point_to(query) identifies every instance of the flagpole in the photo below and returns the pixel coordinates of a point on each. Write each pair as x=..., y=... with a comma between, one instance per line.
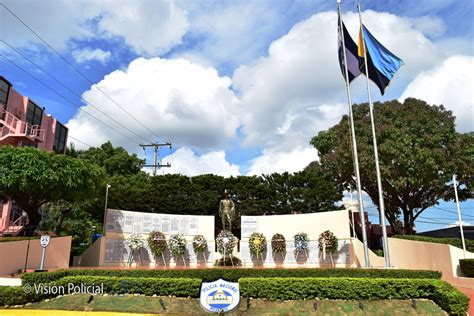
x=459, y=215
x=354, y=143
x=386, y=251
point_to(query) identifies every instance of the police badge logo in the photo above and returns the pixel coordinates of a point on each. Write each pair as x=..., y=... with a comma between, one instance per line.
x=219, y=296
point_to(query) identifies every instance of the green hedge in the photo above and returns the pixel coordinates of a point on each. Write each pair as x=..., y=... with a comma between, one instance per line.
x=443, y=294
x=149, y=286
x=467, y=267
x=450, y=241
x=8, y=239
x=233, y=274
x=15, y=295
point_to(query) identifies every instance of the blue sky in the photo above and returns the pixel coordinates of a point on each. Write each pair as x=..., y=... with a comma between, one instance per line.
x=239, y=87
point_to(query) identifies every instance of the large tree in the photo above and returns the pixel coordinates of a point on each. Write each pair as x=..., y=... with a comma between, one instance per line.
x=115, y=160
x=33, y=177
x=419, y=151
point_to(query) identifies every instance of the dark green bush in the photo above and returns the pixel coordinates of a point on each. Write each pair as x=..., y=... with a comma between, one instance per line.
x=184, y=287
x=232, y=274
x=450, y=241
x=467, y=267
x=443, y=294
x=8, y=239
x=15, y=295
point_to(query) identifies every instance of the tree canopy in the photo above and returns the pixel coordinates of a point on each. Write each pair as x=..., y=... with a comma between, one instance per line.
x=115, y=160
x=33, y=177
x=419, y=151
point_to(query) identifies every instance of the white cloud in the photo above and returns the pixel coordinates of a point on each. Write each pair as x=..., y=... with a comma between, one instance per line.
x=301, y=72
x=185, y=161
x=450, y=84
x=176, y=99
x=148, y=27
x=280, y=161
x=297, y=90
x=87, y=54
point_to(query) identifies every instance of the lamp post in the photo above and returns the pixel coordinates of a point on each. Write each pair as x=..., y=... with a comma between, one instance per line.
x=24, y=216
x=107, y=187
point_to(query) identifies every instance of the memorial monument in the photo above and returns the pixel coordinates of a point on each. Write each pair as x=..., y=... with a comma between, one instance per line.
x=227, y=211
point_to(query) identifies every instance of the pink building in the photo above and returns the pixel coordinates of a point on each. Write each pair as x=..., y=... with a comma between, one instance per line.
x=24, y=123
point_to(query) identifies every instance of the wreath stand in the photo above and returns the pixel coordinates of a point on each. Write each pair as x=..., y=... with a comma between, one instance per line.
x=163, y=257
x=131, y=257
x=232, y=261
x=281, y=254
x=305, y=254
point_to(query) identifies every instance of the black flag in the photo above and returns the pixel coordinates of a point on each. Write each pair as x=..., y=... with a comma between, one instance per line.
x=351, y=53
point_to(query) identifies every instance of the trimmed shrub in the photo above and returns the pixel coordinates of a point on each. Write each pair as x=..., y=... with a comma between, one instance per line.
x=443, y=294
x=450, y=241
x=467, y=267
x=233, y=275
x=15, y=295
x=183, y=287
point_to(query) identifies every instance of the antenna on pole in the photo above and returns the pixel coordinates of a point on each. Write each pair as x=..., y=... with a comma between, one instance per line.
x=155, y=164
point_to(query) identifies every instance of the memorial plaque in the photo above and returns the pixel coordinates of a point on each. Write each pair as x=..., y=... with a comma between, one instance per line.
x=193, y=226
x=249, y=225
x=114, y=221
x=165, y=223
x=128, y=223
x=184, y=225
x=147, y=223
x=290, y=252
x=138, y=223
x=174, y=224
x=109, y=250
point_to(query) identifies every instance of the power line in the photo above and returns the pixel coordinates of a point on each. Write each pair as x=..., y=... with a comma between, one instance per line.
x=80, y=141
x=69, y=89
x=67, y=100
x=453, y=212
x=77, y=70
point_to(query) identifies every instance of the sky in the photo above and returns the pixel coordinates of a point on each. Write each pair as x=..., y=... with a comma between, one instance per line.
x=238, y=87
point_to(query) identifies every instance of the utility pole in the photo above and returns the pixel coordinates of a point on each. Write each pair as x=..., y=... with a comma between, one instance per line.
x=155, y=164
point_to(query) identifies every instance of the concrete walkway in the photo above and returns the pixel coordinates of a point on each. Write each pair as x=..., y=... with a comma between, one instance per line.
x=10, y=281
x=470, y=293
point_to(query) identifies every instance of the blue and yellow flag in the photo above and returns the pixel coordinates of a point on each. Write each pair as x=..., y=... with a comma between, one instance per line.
x=381, y=63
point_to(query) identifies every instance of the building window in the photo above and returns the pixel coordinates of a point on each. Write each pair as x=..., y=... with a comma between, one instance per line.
x=60, y=137
x=34, y=114
x=28, y=143
x=4, y=90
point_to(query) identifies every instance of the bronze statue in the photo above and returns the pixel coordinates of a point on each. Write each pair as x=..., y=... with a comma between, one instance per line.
x=227, y=211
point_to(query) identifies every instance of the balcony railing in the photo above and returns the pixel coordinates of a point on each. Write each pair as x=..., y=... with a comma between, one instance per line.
x=14, y=127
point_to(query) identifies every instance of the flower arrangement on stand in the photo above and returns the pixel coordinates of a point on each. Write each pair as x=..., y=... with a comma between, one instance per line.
x=135, y=243
x=257, y=244
x=279, y=244
x=301, y=243
x=177, y=245
x=157, y=243
x=199, y=245
x=327, y=243
x=225, y=246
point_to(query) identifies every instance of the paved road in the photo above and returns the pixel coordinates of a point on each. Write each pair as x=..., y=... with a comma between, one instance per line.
x=10, y=281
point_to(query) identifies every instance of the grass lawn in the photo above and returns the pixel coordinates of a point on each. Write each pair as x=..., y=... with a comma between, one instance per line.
x=190, y=306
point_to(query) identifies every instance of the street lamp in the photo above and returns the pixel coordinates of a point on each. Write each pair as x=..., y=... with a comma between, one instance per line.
x=107, y=187
x=24, y=216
